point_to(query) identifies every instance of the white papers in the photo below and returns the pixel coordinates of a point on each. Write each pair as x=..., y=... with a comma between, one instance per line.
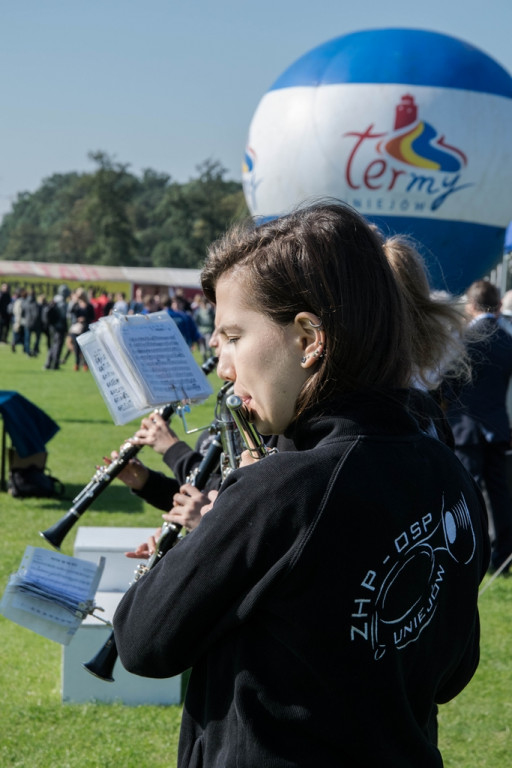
x=141, y=362
x=51, y=593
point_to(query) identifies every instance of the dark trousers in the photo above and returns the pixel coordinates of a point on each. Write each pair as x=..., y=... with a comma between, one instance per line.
x=487, y=463
x=53, y=358
x=79, y=359
x=4, y=327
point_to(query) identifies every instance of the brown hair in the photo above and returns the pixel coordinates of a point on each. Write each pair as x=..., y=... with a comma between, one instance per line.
x=439, y=321
x=323, y=259
x=484, y=296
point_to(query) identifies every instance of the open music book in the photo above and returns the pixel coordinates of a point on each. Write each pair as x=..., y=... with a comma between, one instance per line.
x=141, y=362
x=51, y=593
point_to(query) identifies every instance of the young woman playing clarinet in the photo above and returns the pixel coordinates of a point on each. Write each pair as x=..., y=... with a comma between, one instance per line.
x=327, y=603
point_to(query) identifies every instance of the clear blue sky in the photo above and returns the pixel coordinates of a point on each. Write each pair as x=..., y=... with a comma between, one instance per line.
x=165, y=84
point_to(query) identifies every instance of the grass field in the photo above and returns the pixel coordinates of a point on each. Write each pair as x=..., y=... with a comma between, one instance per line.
x=38, y=731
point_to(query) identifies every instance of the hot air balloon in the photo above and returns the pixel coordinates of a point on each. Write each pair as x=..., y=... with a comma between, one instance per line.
x=410, y=127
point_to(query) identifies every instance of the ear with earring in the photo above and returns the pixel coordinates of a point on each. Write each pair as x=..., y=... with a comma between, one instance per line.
x=315, y=347
x=317, y=355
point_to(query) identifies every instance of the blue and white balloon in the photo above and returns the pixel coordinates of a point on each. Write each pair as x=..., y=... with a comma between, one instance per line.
x=411, y=128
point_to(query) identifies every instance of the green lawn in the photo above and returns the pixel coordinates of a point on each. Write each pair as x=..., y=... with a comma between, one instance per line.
x=38, y=731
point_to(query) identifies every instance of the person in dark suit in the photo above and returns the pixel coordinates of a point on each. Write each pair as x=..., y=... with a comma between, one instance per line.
x=476, y=411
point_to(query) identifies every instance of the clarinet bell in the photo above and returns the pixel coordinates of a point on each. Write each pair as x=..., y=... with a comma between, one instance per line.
x=102, y=665
x=56, y=533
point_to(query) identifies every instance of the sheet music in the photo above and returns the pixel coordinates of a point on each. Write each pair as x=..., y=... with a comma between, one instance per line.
x=157, y=349
x=51, y=593
x=141, y=362
x=62, y=574
x=116, y=391
x=109, y=333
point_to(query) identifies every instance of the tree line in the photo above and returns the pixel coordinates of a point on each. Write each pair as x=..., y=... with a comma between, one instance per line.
x=112, y=217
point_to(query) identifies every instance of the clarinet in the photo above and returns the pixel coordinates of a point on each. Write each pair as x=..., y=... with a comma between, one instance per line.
x=171, y=531
x=102, y=664
x=103, y=477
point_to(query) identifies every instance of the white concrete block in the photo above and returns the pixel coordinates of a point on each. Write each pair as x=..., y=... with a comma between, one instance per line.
x=79, y=685
x=93, y=542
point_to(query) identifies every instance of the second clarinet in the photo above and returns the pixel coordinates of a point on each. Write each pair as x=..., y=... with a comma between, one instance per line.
x=102, y=664
x=103, y=477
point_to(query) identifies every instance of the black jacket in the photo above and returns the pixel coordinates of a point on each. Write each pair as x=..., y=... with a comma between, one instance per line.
x=327, y=602
x=477, y=410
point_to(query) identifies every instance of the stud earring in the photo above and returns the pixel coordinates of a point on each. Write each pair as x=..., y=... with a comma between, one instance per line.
x=318, y=353
x=303, y=359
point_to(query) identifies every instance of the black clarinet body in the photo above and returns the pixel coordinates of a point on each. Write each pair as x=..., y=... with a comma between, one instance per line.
x=199, y=478
x=102, y=664
x=103, y=477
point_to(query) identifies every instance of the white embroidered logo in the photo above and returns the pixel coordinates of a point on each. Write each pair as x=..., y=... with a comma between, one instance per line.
x=399, y=599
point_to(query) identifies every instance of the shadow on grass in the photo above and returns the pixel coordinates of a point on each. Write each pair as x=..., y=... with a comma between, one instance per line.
x=113, y=499
x=86, y=421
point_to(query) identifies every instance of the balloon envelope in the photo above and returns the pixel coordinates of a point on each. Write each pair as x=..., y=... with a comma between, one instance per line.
x=508, y=238
x=411, y=128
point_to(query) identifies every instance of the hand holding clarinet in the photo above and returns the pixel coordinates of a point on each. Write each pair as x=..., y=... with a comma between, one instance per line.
x=189, y=505
x=153, y=431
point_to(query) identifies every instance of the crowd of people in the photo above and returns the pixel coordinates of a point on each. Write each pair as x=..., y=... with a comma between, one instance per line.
x=31, y=321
